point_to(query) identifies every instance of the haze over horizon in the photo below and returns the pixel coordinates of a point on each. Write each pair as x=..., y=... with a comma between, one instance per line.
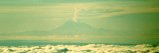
x=110, y=21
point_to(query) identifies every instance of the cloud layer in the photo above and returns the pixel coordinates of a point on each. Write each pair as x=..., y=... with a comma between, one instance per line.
x=90, y=48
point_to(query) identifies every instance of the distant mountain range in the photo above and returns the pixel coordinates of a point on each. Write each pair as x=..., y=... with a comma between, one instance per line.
x=68, y=28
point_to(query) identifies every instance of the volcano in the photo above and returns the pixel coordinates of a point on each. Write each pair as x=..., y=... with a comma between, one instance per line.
x=72, y=28
x=77, y=28
x=68, y=28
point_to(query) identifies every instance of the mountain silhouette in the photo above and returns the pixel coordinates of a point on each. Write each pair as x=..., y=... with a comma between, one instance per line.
x=68, y=28
x=72, y=28
x=78, y=28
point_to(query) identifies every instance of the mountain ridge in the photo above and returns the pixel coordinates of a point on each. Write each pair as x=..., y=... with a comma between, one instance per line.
x=68, y=28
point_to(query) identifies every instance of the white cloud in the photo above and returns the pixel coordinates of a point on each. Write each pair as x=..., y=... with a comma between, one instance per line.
x=91, y=48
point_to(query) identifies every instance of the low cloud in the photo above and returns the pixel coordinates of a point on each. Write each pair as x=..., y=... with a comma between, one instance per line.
x=91, y=48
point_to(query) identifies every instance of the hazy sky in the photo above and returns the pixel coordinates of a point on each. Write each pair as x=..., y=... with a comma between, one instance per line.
x=124, y=20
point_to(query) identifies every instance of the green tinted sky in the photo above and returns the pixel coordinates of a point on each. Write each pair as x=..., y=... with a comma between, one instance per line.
x=123, y=19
